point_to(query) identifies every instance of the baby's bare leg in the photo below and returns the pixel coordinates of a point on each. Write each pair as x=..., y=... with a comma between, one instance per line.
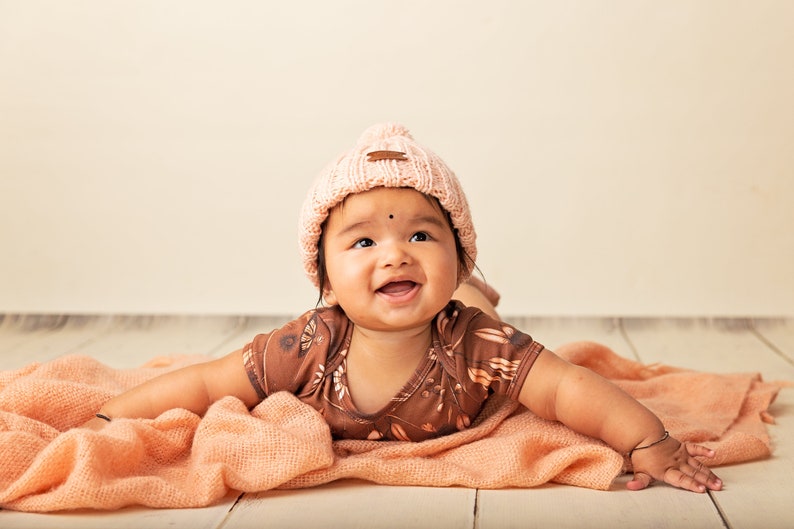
x=476, y=293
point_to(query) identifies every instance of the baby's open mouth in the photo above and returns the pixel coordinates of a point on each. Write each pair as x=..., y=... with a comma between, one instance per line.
x=396, y=288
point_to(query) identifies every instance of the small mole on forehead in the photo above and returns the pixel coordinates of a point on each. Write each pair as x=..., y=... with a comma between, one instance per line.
x=391, y=216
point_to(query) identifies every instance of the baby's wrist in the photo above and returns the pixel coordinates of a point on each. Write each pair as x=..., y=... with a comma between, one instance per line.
x=649, y=442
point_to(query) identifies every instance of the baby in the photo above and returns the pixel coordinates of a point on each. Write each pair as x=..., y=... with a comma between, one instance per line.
x=408, y=347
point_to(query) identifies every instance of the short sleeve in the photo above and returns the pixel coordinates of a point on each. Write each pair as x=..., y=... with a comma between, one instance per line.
x=294, y=357
x=491, y=356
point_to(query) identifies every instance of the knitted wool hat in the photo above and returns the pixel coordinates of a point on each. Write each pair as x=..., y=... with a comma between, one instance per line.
x=385, y=155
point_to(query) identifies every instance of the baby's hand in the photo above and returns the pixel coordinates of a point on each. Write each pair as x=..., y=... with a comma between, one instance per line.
x=673, y=462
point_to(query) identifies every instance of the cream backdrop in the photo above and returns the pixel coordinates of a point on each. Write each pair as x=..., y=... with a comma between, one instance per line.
x=628, y=157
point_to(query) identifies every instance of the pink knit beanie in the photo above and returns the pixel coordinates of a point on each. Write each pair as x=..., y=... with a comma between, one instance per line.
x=385, y=155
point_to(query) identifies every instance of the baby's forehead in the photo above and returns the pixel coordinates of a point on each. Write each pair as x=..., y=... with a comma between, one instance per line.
x=384, y=206
x=389, y=196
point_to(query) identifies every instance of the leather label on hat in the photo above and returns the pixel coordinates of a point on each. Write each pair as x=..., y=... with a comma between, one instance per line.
x=385, y=155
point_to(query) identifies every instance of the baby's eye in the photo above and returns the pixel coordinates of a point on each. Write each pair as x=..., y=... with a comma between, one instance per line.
x=364, y=243
x=420, y=236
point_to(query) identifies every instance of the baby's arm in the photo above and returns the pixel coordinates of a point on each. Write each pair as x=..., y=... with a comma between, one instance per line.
x=591, y=405
x=193, y=388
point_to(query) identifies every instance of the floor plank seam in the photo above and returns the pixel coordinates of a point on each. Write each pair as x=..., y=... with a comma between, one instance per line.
x=624, y=333
x=221, y=347
x=723, y=516
x=226, y=521
x=105, y=330
x=475, y=521
x=758, y=334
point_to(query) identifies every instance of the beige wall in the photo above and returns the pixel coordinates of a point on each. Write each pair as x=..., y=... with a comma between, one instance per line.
x=626, y=157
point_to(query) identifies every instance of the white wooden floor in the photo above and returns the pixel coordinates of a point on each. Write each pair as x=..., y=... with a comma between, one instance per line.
x=756, y=495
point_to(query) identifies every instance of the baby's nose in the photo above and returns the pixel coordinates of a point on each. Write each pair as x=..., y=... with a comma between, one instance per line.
x=396, y=254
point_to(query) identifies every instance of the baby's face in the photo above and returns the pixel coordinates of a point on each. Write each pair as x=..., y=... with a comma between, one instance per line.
x=390, y=258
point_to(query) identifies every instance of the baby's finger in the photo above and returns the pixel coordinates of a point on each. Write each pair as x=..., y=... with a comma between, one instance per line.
x=698, y=450
x=679, y=478
x=703, y=474
x=640, y=481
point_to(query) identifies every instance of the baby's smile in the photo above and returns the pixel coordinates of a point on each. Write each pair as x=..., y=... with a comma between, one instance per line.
x=397, y=288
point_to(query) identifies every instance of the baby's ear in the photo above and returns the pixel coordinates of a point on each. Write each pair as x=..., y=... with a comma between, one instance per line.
x=329, y=297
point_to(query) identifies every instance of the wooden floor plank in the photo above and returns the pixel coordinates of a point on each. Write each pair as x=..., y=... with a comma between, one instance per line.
x=715, y=345
x=119, y=341
x=133, y=340
x=353, y=504
x=245, y=332
x=129, y=518
x=29, y=338
x=760, y=494
x=764, y=477
x=564, y=507
x=553, y=332
x=757, y=494
x=778, y=333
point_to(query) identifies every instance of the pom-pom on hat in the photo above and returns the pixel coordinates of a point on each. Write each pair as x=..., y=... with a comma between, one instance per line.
x=385, y=155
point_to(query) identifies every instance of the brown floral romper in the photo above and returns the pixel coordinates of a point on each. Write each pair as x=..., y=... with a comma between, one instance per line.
x=471, y=356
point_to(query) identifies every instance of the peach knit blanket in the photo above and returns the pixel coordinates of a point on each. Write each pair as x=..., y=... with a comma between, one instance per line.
x=183, y=460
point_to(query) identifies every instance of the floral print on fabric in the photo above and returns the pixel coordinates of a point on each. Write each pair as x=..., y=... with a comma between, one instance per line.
x=471, y=357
